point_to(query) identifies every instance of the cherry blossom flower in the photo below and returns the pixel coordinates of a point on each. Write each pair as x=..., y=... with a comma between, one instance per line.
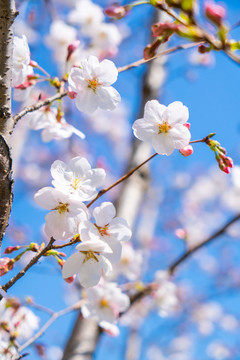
x=90, y=262
x=53, y=128
x=163, y=126
x=61, y=35
x=131, y=262
x=108, y=228
x=107, y=37
x=62, y=221
x=88, y=15
x=21, y=60
x=92, y=83
x=77, y=178
x=165, y=297
x=105, y=302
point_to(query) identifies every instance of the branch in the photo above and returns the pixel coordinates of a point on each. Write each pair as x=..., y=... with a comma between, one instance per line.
x=165, y=52
x=38, y=105
x=28, y=266
x=219, y=232
x=53, y=318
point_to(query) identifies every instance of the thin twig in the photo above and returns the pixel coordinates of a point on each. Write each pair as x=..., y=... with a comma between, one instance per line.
x=219, y=232
x=165, y=52
x=38, y=105
x=53, y=318
x=28, y=266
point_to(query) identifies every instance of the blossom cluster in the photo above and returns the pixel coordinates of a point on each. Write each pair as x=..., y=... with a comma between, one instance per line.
x=100, y=242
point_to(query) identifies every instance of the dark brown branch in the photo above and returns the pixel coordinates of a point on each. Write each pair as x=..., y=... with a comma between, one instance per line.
x=7, y=16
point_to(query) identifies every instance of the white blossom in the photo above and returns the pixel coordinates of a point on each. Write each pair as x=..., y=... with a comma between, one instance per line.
x=107, y=228
x=92, y=84
x=90, y=262
x=105, y=302
x=53, y=129
x=20, y=60
x=163, y=126
x=107, y=37
x=62, y=222
x=88, y=15
x=77, y=178
x=165, y=297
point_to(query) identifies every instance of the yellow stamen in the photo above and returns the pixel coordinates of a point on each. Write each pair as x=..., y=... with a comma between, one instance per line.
x=62, y=208
x=89, y=255
x=164, y=128
x=104, y=303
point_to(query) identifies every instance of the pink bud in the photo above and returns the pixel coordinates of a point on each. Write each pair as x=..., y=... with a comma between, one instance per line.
x=34, y=64
x=70, y=280
x=227, y=161
x=6, y=264
x=71, y=94
x=11, y=249
x=202, y=49
x=116, y=11
x=214, y=12
x=167, y=28
x=187, y=150
x=72, y=47
x=187, y=125
x=181, y=233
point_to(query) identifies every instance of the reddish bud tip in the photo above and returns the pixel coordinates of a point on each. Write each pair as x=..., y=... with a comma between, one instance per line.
x=71, y=94
x=186, y=151
x=187, y=125
x=202, y=49
x=11, y=249
x=160, y=29
x=72, y=47
x=214, y=12
x=70, y=280
x=34, y=64
x=116, y=11
x=6, y=264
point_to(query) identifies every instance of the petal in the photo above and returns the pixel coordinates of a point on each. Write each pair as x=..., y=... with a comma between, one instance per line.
x=116, y=247
x=90, y=273
x=176, y=113
x=153, y=112
x=123, y=302
x=107, y=72
x=144, y=130
x=49, y=197
x=87, y=101
x=89, y=66
x=79, y=166
x=106, y=265
x=72, y=265
x=119, y=228
x=58, y=170
x=163, y=144
x=60, y=226
x=104, y=213
x=76, y=80
x=96, y=177
x=108, y=97
x=180, y=135
x=95, y=245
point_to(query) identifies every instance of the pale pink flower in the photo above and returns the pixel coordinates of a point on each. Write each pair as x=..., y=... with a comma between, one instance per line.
x=90, y=262
x=20, y=61
x=92, y=83
x=77, y=178
x=163, y=126
x=62, y=222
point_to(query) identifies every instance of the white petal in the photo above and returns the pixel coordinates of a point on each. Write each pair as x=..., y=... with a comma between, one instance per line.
x=87, y=101
x=76, y=80
x=95, y=246
x=106, y=265
x=108, y=97
x=49, y=197
x=96, y=177
x=58, y=170
x=176, y=113
x=153, y=111
x=163, y=144
x=104, y=213
x=144, y=130
x=90, y=273
x=72, y=265
x=79, y=165
x=180, y=135
x=119, y=228
x=116, y=247
x=107, y=72
x=60, y=226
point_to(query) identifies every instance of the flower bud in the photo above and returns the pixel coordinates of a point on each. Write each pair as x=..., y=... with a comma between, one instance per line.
x=71, y=94
x=187, y=125
x=214, y=12
x=72, y=47
x=160, y=29
x=186, y=151
x=116, y=11
x=71, y=279
x=6, y=264
x=11, y=249
x=227, y=161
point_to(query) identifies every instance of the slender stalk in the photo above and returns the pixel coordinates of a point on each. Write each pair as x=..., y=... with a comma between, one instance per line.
x=52, y=319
